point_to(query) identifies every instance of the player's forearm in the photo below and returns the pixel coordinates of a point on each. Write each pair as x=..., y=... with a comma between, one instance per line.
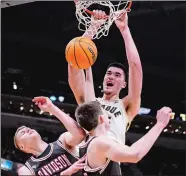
x=89, y=88
x=69, y=123
x=135, y=67
x=144, y=144
x=74, y=74
x=76, y=79
x=131, y=50
x=90, y=32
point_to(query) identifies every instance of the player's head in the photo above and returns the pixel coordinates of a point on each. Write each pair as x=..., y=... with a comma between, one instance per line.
x=90, y=115
x=25, y=138
x=114, y=79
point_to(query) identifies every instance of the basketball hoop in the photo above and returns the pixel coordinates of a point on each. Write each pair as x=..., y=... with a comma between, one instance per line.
x=83, y=14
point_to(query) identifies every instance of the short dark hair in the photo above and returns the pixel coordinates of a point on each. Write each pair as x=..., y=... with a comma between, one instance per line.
x=118, y=65
x=87, y=115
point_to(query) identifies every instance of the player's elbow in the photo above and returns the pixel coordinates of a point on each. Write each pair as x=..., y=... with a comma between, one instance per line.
x=136, y=156
x=135, y=63
x=133, y=157
x=136, y=69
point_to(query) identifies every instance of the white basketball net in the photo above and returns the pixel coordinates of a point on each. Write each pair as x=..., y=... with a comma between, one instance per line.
x=98, y=28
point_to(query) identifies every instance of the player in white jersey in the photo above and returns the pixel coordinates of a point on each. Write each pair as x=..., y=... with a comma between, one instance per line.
x=117, y=116
x=121, y=111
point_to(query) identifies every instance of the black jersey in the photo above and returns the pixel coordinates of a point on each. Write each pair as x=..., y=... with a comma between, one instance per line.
x=109, y=168
x=55, y=159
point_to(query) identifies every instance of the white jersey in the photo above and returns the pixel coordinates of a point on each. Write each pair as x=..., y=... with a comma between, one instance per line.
x=118, y=118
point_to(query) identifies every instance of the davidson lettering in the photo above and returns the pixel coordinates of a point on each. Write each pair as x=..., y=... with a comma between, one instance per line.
x=56, y=165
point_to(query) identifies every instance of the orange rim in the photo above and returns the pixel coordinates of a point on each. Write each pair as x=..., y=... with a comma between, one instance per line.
x=127, y=9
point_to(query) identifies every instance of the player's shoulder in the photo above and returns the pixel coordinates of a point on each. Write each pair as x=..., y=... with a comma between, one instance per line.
x=100, y=142
x=24, y=171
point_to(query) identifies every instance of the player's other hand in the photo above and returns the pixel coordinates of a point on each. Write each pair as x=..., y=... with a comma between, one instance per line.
x=44, y=103
x=122, y=22
x=163, y=116
x=98, y=18
x=78, y=165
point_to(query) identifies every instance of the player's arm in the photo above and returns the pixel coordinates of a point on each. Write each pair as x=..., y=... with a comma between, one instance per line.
x=76, y=80
x=89, y=86
x=76, y=132
x=24, y=171
x=78, y=165
x=122, y=153
x=133, y=100
x=83, y=87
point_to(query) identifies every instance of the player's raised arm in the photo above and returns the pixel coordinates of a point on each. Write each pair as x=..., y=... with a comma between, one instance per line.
x=133, y=100
x=122, y=153
x=76, y=133
x=76, y=80
x=89, y=86
x=83, y=88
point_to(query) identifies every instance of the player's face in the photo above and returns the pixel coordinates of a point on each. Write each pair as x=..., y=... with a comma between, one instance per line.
x=26, y=137
x=114, y=81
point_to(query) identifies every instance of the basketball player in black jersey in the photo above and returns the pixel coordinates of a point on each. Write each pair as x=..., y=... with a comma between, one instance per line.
x=59, y=157
x=51, y=159
x=103, y=153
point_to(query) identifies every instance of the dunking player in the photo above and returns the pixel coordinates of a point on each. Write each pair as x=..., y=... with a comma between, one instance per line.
x=57, y=158
x=121, y=111
x=103, y=153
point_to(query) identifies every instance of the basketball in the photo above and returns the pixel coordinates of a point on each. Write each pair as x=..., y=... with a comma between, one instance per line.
x=81, y=53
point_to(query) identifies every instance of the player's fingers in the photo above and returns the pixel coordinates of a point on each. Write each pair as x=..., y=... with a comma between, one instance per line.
x=40, y=99
x=40, y=105
x=100, y=14
x=103, y=14
x=37, y=99
x=81, y=165
x=97, y=14
x=94, y=13
x=82, y=159
x=166, y=110
x=121, y=14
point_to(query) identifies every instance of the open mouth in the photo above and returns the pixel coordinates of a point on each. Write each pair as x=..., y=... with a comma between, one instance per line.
x=109, y=84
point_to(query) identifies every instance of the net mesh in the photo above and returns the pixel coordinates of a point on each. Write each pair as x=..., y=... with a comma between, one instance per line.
x=94, y=27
